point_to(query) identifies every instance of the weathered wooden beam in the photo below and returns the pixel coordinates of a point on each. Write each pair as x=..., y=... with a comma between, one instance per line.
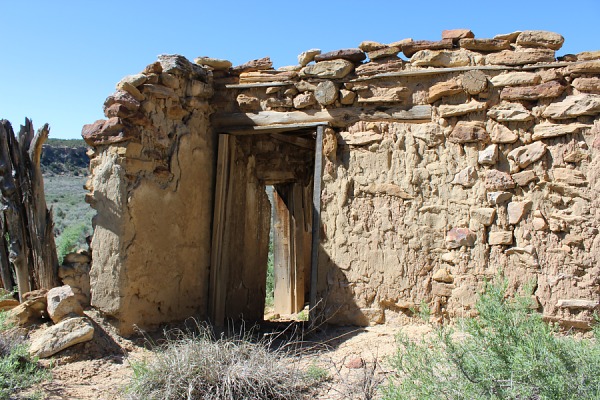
x=267, y=129
x=439, y=71
x=255, y=85
x=339, y=117
x=316, y=222
x=295, y=140
x=5, y=272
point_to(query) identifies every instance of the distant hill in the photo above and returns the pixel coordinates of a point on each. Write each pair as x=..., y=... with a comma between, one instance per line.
x=65, y=157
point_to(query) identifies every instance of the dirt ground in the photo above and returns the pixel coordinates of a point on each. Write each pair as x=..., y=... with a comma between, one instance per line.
x=355, y=360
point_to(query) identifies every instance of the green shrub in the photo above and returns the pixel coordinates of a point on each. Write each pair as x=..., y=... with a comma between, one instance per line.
x=508, y=352
x=17, y=370
x=198, y=366
x=70, y=239
x=270, y=295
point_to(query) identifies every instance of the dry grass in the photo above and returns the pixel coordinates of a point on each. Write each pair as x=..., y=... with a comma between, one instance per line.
x=200, y=366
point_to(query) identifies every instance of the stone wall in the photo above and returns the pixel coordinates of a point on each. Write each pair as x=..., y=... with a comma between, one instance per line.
x=473, y=156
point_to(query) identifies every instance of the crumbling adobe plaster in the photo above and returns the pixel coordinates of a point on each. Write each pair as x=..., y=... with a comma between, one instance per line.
x=476, y=155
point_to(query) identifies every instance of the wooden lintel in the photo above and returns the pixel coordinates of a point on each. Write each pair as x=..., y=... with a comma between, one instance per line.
x=438, y=71
x=295, y=140
x=337, y=117
x=277, y=128
x=258, y=84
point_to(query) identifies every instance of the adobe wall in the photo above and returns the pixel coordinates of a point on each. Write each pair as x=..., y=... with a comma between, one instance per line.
x=476, y=155
x=152, y=180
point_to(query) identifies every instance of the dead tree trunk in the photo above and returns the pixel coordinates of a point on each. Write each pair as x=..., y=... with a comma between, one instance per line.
x=29, y=229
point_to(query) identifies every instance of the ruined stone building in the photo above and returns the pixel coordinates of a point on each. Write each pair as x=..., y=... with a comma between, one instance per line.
x=396, y=182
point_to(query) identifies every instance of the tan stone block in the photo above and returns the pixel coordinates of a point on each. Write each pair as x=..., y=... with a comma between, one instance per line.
x=510, y=112
x=589, y=85
x=541, y=91
x=569, y=176
x=497, y=180
x=573, y=106
x=446, y=111
x=516, y=79
x=412, y=47
x=516, y=211
x=64, y=334
x=520, y=57
x=307, y=56
x=468, y=131
x=457, y=34
x=441, y=58
x=333, y=69
x=442, y=275
x=500, y=238
x=484, y=215
x=441, y=89
x=545, y=39
x=525, y=155
x=485, y=45
x=524, y=177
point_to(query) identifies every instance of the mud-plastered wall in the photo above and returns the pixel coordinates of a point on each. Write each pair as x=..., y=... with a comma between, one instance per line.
x=473, y=158
x=445, y=163
x=152, y=177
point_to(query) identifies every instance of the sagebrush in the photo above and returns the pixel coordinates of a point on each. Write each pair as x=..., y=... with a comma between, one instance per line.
x=507, y=352
x=199, y=366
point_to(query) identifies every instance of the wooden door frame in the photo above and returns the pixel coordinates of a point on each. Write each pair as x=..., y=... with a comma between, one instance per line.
x=219, y=271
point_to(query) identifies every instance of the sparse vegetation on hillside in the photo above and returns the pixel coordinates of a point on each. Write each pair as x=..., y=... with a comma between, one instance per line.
x=508, y=352
x=198, y=366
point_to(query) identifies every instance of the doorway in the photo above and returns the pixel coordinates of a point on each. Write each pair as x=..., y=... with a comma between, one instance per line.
x=290, y=161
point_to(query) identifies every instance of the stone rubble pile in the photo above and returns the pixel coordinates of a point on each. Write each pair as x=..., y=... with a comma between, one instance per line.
x=469, y=157
x=62, y=305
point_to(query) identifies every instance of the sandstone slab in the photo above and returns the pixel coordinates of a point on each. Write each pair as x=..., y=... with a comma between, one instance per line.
x=511, y=37
x=347, y=97
x=466, y=177
x=307, y=56
x=524, y=177
x=383, y=53
x=547, y=130
x=516, y=79
x=353, y=55
x=135, y=79
x=520, y=57
x=484, y=215
x=498, y=198
x=369, y=45
x=360, y=138
x=517, y=210
x=500, y=134
x=215, y=63
x=442, y=89
x=254, y=65
x=457, y=34
x=333, y=69
x=574, y=106
x=468, y=132
x=447, y=110
x=497, y=180
x=62, y=303
x=588, y=85
x=484, y=45
x=458, y=237
x=326, y=93
x=304, y=100
x=64, y=334
x=541, y=91
x=489, y=155
x=412, y=47
x=500, y=238
x=510, y=112
x=441, y=58
x=525, y=155
x=27, y=312
x=380, y=66
x=569, y=176
x=588, y=55
x=442, y=275
x=585, y=67
x=545, y=39
x=8, y=304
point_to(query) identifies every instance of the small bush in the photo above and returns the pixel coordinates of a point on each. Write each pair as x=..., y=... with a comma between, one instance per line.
x=17, y=370
x=197, y=366
x=508, y=352
x=70, y=239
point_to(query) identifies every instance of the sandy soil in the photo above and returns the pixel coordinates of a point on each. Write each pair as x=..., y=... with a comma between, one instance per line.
x=355, y=360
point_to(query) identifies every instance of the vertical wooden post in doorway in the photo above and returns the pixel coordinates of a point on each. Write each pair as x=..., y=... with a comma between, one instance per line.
x=316, y=222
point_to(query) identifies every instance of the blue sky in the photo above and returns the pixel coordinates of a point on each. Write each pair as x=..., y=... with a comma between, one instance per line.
x=60, y=59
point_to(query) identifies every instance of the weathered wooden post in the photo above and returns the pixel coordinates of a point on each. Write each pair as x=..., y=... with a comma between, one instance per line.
x=27, y=228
